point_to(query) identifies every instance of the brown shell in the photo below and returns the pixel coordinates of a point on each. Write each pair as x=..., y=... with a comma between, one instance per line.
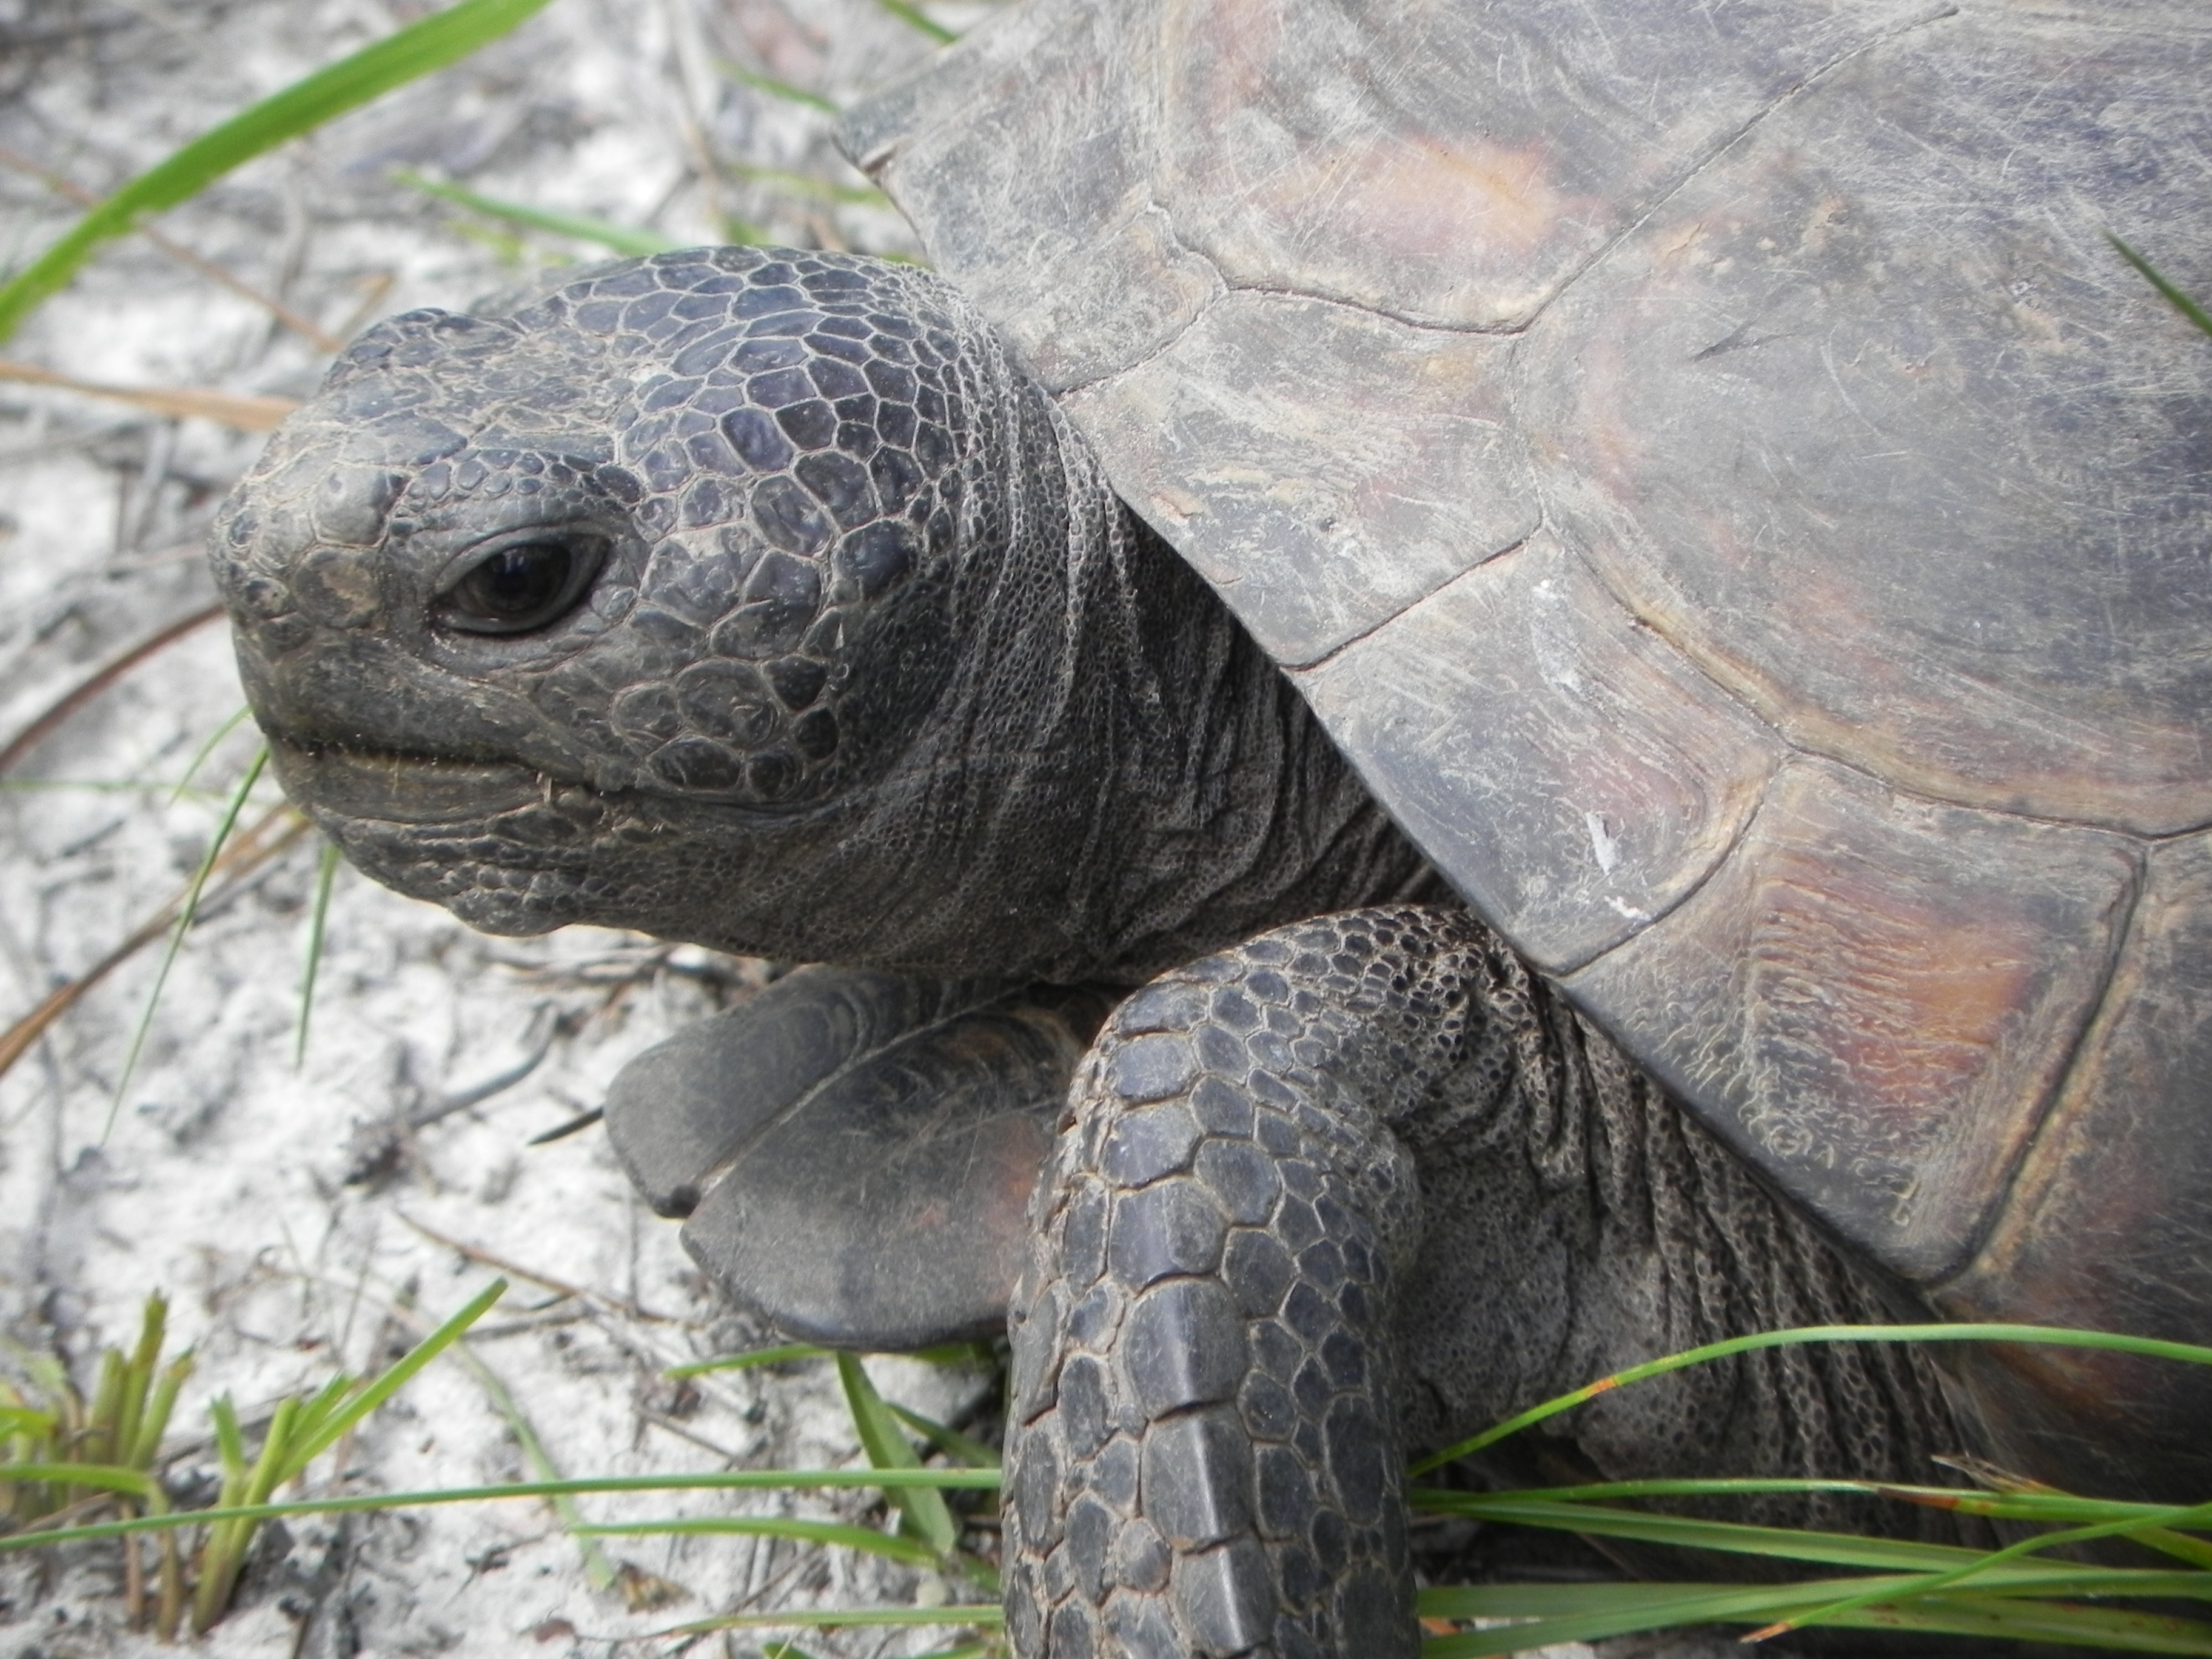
x=1711, y=472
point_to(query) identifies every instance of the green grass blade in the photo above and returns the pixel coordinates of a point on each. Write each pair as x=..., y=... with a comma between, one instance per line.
x=106, y=1477
x=2174, y=297
x=599, y=1572
x=1748, y=1600
x=980, y=1614
x=888, y=1448
x=375, y=1393
x=621, y=239
x=1590, y=1613
x=1984, y=1572
x=2047, y=1508
x=2197, y=1552
x=413, y=52
x=735, y=1362
x=912, y=14
x=200, y=754
x=805, y=184
x=1606, y=1614
x=730, y=1479
x=154, y=1422
x=223, y=1557
x=911, y=1551
x=2194, y=1551
x=1563, y=1600
x=775, y=88
x=960, y=1448
x=1825, y=1548
x=139, y=1376
x=1916, y=1602
x=2057, y=1336
x=2046, y=1621
x=27, y=1419
x=316, y=1411
x=230, y=1444
x=185, y=912
x=326, y=878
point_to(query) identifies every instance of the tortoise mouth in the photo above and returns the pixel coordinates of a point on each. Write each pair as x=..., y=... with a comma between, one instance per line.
x=396, y=788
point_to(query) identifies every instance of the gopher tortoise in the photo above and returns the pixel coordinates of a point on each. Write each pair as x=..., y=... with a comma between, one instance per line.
x=1690, y=489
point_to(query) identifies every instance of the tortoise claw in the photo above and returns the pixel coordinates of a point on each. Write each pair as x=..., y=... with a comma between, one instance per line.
x=856, y=1151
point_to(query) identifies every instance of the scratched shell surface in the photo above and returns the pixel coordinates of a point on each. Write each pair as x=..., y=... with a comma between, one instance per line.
x=1709, y=470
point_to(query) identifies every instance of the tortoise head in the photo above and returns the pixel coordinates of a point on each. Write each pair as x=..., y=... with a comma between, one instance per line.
x=627, y=607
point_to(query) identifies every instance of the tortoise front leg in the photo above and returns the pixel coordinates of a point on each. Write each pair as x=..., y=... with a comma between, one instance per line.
x=1242, y=1303
x=856, y=1151
x=1204, y=1456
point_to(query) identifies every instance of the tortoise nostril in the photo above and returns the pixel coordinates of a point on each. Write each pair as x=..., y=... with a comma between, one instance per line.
x=338, y=587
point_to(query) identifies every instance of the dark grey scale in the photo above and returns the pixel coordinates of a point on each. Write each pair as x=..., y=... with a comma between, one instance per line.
x=788, y=515
x=700, y=429
x=856, y=427
x=729, y=702
x=709, y=502
x=833, y=378
x=811, y=424
x=752, y=432
x=699, y=583
x=640, y=314
x=758, y=354
x=842, y=485
x=794, y=323
x=667, y=392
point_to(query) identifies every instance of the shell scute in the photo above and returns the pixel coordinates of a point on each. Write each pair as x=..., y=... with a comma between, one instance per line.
x=1874, y=998
x=1520, y=706
x=2108, y=1221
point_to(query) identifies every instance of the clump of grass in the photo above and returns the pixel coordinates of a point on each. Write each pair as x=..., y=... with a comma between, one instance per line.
x=66, y=1459
x=2014, y=1594
x=66, y=1456
x=82, y=1443
x=2010, y=1594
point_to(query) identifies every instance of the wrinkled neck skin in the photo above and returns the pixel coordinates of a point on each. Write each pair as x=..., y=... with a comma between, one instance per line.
x=1115, y=780
x=1024, y=739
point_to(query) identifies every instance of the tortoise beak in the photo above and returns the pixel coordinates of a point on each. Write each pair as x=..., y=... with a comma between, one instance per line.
x=400, y=788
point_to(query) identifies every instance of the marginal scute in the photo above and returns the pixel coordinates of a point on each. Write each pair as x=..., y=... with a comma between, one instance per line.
x=1565, y=767
x=1109, y=283
x=1324, y=467
x=1874, y=1000
x=2107, y=1222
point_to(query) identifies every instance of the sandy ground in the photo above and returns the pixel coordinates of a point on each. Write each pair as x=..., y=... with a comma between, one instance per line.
x=290, y=1211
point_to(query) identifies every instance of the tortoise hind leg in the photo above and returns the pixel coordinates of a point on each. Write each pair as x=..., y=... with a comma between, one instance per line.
x=1362, y=1183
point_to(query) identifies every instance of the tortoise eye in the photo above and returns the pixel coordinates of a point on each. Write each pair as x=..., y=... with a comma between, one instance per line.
x=522, y=586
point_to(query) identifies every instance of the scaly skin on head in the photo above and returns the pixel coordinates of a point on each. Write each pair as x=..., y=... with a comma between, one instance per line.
x=758, y=599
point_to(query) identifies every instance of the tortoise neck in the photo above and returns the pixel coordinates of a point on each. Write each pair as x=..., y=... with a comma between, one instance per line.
x=1134, y=781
